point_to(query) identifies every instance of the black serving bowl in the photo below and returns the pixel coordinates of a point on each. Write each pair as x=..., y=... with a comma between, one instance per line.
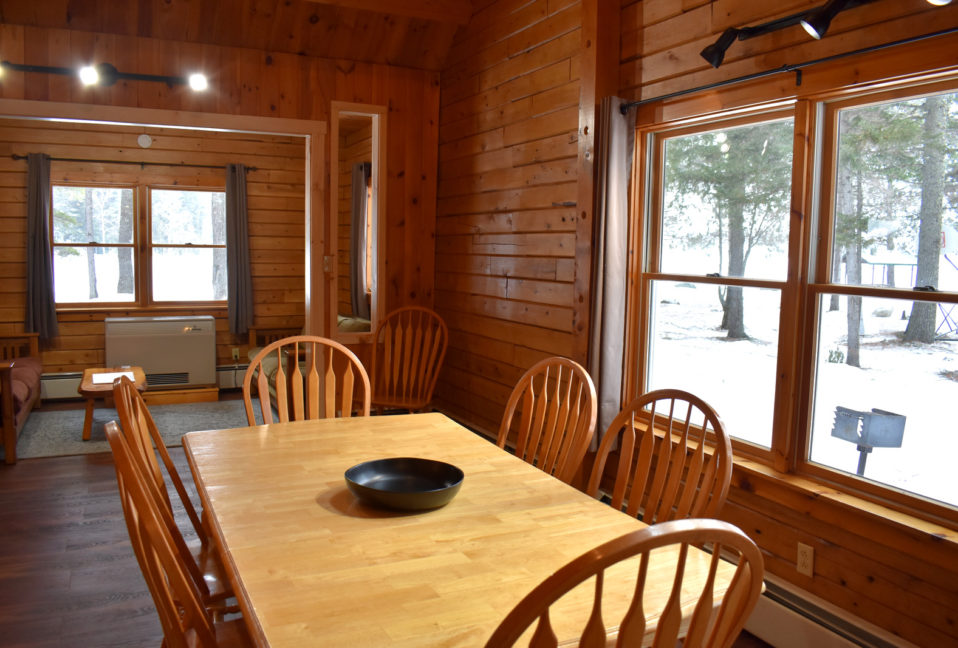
x=404, y=483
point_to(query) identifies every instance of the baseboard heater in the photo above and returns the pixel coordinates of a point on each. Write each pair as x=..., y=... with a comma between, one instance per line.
x=787, y=617
x=176, y=352
x=54, y=386
x=230, y=376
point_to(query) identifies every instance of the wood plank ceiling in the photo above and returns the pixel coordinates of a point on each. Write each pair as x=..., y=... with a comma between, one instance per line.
x=407, y=33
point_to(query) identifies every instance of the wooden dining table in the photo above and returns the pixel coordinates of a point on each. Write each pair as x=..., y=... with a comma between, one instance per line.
x=312, y=566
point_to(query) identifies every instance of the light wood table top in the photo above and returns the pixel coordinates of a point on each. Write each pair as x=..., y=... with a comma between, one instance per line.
x=313, y=567
x=92, y=387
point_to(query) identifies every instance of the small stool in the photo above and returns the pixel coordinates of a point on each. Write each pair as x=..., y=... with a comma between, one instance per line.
x=98, y=383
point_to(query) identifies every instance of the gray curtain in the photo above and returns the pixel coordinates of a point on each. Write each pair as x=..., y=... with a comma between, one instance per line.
x=357, y=240
x=239, y=289
x=41, y=307
x=614, y=149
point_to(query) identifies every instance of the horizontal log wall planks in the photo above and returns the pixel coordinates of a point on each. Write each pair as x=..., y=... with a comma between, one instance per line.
x=662, y=39
x=506, y=224
x=897, y=573
x=247, y=82
x=275, y=206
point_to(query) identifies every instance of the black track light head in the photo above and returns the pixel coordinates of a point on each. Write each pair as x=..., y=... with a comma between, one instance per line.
x=816, y=23
x=715, y=53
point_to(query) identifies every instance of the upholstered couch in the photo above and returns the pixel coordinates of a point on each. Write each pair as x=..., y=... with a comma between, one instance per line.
x=20, y=371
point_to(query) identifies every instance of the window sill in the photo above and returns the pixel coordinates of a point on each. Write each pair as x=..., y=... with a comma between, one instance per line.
x=134, y=309
x=750, y=476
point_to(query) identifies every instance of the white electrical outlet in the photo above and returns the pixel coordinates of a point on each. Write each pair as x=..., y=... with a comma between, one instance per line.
x=805, y=564
x=235, y=353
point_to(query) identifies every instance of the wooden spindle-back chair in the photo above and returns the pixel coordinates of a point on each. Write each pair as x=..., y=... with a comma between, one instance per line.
x=185, y=621
x=666, y=471
x=410, y=345
x=313, y=377
x=141, y=435
x=557, y=407
x=716, y=617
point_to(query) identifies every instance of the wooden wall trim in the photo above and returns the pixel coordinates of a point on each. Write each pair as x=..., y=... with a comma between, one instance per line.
x=599, y=78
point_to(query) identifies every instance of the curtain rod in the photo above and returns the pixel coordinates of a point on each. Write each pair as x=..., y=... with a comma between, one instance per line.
x=182, y=164
x=793, y=67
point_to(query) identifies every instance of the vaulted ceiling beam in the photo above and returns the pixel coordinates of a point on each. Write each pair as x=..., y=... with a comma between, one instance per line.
x=449, y=11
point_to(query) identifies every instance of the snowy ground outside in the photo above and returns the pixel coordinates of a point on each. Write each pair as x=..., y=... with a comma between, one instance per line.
x=738, y=379
x=178, y=275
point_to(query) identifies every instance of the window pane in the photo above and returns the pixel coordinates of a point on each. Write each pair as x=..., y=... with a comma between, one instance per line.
x=184, y=217
x=88, y=274
x=691, y=350
x=92, y=215
x=727, y=201
x=187, y=274
x=896, y=213
x=870, y=382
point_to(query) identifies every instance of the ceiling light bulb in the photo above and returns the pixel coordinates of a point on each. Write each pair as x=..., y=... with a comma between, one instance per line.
x=88, y=75
x=939, y=3
x=198, y=82
x=816, y=22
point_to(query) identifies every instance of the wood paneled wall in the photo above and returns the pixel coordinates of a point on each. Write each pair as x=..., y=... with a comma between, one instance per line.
x=505, y=265
x=258, y=83
x=662, y=39
x=275, y=195
x=506, y=215
x=888, y=569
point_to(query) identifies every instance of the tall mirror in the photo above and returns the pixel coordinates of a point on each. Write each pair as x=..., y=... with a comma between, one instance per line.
x=356, y=202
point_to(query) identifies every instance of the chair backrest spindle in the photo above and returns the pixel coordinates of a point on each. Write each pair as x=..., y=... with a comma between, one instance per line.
x=409, y=348
x=557, y=407
x=719, y=607
x=665, y=469
x=306, y=377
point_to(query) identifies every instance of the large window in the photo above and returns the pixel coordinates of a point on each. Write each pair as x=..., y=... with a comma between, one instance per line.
x=718, y=267
x=829, y=348
x=98, y=232
x=886, y=364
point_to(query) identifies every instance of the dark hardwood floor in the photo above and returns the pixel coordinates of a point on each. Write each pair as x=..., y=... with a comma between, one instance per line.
x=68, y=576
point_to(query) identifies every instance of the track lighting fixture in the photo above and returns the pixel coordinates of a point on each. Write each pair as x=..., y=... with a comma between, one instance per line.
x=715, y=52
x=105, y=74
x=817, y=21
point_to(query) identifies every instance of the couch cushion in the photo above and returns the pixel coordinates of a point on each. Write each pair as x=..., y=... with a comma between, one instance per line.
x=25, y=383
x=21, y=395
x=28, y=370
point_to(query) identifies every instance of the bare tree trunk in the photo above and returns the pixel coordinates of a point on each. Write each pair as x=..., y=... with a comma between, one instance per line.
x=736, y=268
x=90, y=252
x=124, y=281
x=921, y=323
x=849, y=202
x=836, y=274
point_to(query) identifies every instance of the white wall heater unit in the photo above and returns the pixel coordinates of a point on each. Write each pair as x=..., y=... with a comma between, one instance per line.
x=175, y=352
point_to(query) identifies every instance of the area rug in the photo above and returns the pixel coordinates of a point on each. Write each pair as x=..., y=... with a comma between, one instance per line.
x=57, y=433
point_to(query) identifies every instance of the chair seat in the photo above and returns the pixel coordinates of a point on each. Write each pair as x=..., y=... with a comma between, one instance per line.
x=213, y=573
x=232, y=634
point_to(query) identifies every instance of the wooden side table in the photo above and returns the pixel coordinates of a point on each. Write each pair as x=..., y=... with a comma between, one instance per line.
x=92, y=388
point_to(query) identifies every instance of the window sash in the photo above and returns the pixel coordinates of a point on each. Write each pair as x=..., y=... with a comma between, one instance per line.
x=815, y=145
x=142, y=249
